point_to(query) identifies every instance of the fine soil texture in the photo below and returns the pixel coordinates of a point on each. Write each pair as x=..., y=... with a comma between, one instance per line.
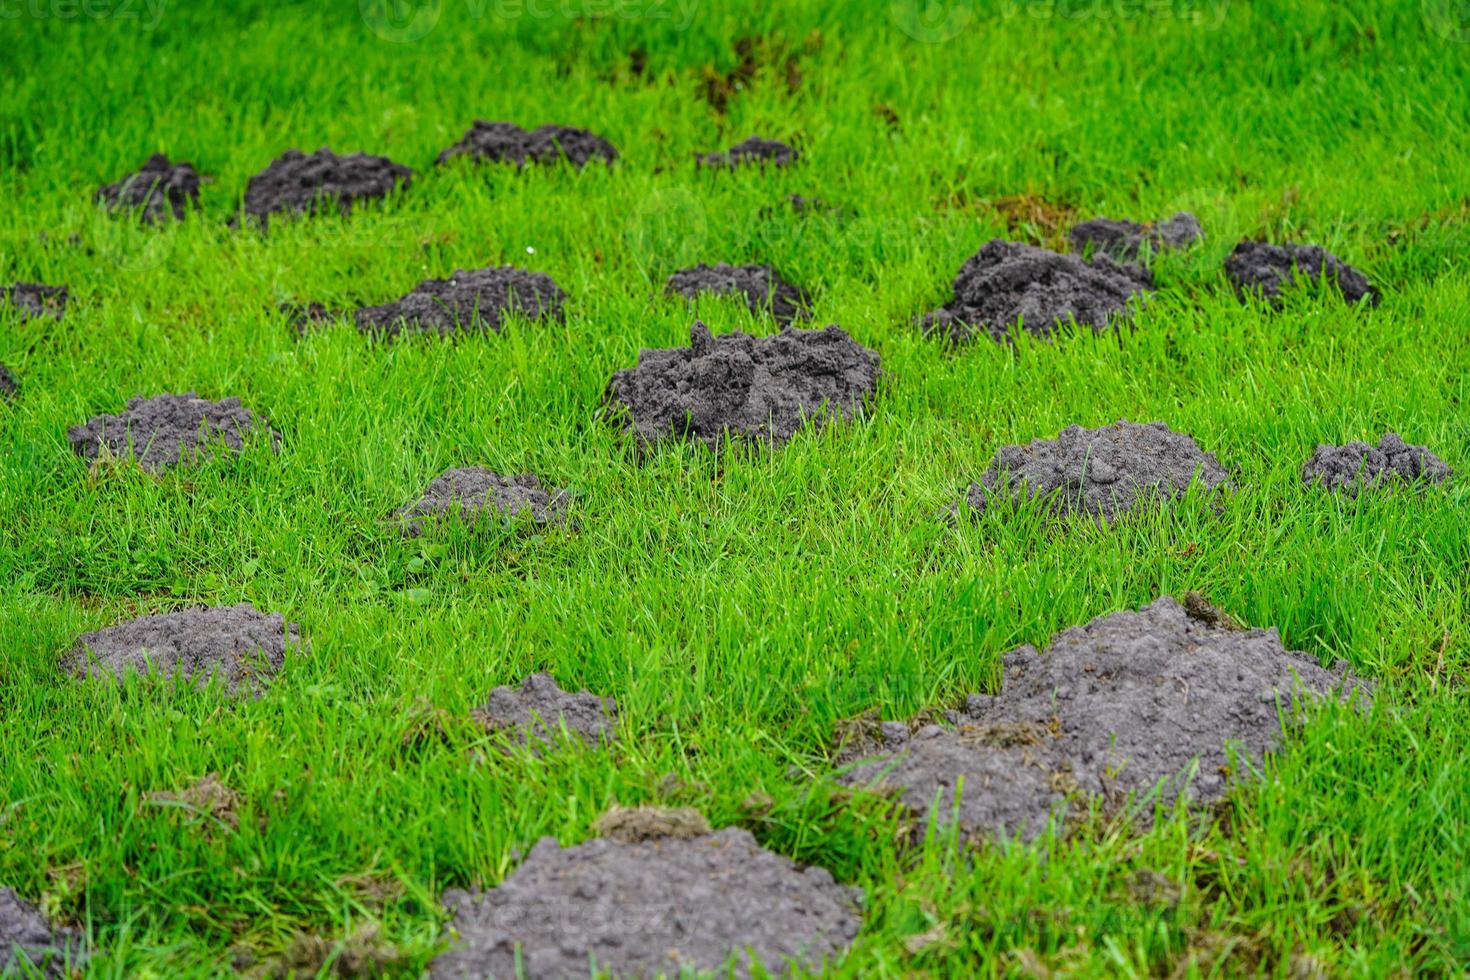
x=469, y=300
x=503, y=142
x=159, y=190
x=1359, y=465
x=474, y=493
x=34, y=299
x=166, y=430
x=1010, y=285
x=1264, y=270
x=751, y=151
x=1129, y=702
x=29, y=946
x=1101, y=472
x=539, y=710
x=243, y=647
x=762, y=287
x=1128, y=240
x=754, y=388
x=661, y=906
x=8, y=385
x=298, y=183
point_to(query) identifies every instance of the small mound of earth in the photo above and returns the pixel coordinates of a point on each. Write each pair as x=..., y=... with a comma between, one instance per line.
x=503, y=142
x=298, y=183
x=8, y=384
x=754, y=150
x=166, y=430
x=159, y=190
x=1101, y=472
x=1359, y=465
x=28, y=944
x=756, y=388
x=666, y=906
x=538, y=710
x=1263, y=269
x=475, y=492
x=34, y=299
x=466, y=301
x=1010, y=284
x=1127, y=240
x=1128, y=702
x=763, y=288
x=244, y=647
x=305, y=317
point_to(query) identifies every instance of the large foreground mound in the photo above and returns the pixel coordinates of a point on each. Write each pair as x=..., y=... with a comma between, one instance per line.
x=666, y=906
x=165, y=430
x=764, y=290
x=296, y=183
x=244, y=647
x=759, y=388
x=28, y=945
x=1127, y=240
x=34, y=299
x=159, y=190
x=503, y=142
x=539, y=709
x=1263, y=269
x=473, y=493
x=1358, y=465
x=1104, y=471
x=1127, y=702
x=466, y=301
x=1010, y=284
x=751, y=151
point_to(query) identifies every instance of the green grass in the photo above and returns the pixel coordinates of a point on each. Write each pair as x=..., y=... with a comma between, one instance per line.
x=736, y=610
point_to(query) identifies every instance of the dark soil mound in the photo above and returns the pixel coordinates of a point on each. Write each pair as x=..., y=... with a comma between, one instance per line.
x=246, y=648
x=467, y=301
x=665, y=906
x=1007, y=284
x=503, y=142
x=1358, y=465
x=1126, y=240
x=1103, y=472
x=758, y=388
x=1130, y=701
x=539, y=709
x=8, y=385
x=764, y=290
x=296, y=183
x=1264, y=270
x=305, y=317
x=754, y=150
x=29, y=946
x=169, y=429
x=33, y=299
x=158, y=190
x=474, y=493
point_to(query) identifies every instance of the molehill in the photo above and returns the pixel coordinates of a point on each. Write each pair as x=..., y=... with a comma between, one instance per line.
x=28, y=944
x=538, y=710
x=1262, y=269
x=474, y=493
x=751, y=151
x=762, y=287
x=165, y=430
x=33, y=299
x=297, y=183
x=1358, y=465
x=503, y=142
x=1127, y=240
x=8, y=384
x=466, y=301
x=158, y=190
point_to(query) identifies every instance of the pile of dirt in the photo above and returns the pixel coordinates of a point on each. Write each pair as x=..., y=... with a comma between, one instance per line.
x=28, y=944
x=1263, y=270
x=159, y=190
x=8, y=385
x=1359, y=465
x=763, y=288
x=466, y=301
x=305, y=317
x=1007, y=284
x=1127, y=240
x=297, y=183
x=1101, y=472
x=34, y=299
x=538, y=711
x=503, y=142
x=672, y=905
x=165, y=430
x=756, y=388
x=754, y=150
x=208, y=798
x=474, y=492
x=1128, y=702
x=244, y=647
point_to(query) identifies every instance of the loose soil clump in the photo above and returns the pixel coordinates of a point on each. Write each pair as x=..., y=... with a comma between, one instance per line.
x=503, y=142
x=29, y=945
x=539, y=709
x=1100, y=472
x=466, y=301
x=166, y=430
x=1263, y=269
x=1010, y=284
x=244, y=647
x=754, y=388
x=763, y=288
x=33, y=299
x=1129, y=702
x=1358, y=465
x=1125, y=241
x=208, y=798
x=160, y=189
x=751, y=151
x=8, y=385
x=671, y=905
x=474, y=493
x=298, y=183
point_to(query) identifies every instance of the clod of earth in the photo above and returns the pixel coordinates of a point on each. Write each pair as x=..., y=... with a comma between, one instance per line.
x=1127, y=703
x=297, y=183
x=1358, y=465
x=1010, y=284
x=8, y=385
x=28, y=944
x=159, y=190
x=166, y=430
x=666, y=906
x=208, y=798
x=761, y=286
x=751, y=151
x=33, y=299
x=632, y=824
x=467, y=301
x=245, y=648
x=1101, y=472
x=474, y=493
x=1127, y=240
x=755, y=388
x=1262, y=269
x=539, y=710
x=503, y=142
